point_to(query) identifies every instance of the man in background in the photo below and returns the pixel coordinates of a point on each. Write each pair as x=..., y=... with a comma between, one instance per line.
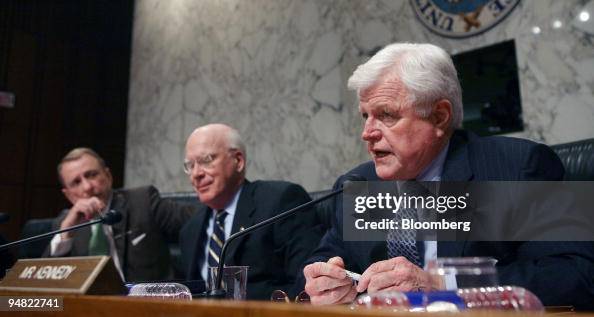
x=138, y=243
x=216, y=164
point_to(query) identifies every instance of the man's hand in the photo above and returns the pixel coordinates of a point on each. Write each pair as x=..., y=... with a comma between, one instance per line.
x=83, y=210
x=327, y=283
x=395, y=274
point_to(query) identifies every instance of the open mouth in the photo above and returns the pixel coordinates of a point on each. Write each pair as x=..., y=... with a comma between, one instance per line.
x=378, y=154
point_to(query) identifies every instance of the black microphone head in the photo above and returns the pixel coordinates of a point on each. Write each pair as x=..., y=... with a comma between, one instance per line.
x=4, y=217
x=352, y=178
x=111, y=217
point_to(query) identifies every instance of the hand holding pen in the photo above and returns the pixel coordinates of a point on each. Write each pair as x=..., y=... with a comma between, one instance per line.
x=329, y=283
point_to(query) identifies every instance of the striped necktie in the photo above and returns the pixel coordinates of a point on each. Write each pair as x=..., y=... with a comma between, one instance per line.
x=217, y=239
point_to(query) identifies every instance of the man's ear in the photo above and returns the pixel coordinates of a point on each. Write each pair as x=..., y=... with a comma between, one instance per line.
x=441, y=116
x=240, y=161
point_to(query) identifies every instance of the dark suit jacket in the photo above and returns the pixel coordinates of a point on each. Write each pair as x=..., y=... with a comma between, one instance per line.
x=275, y=254
x=143, y=213
x=559, y=273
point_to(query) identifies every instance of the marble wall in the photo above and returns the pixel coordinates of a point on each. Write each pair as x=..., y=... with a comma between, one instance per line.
x=276, y=70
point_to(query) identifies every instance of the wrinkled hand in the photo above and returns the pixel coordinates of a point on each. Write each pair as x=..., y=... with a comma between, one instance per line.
x=327, y=283
x=395, y=274
x=83, y=210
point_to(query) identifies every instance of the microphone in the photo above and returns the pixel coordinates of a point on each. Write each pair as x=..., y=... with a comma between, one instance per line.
x=217, y=290
x=109, y=218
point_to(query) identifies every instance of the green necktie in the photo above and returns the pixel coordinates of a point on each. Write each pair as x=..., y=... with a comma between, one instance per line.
x=98, y=244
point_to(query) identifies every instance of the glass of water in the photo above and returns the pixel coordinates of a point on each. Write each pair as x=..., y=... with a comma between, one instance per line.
x=464, y=272
x=234, y=281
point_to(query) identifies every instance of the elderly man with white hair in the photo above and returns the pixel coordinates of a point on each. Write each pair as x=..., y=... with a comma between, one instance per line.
x=410, y=103
x=216, y=162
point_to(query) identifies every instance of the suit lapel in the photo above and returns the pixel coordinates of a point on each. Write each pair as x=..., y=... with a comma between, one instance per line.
x=456, y=168
x=246, y=206
x=200, y=221
x=457, y=164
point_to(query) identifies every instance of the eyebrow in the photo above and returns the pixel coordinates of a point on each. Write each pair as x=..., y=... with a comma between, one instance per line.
x=72, y=182
x=200, y=157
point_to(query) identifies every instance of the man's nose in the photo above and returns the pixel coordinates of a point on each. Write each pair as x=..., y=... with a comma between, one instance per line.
x=370, y=131
x=197, y=171
x=86, y=185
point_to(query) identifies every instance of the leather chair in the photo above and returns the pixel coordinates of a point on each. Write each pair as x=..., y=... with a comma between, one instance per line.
x=31, y=228
x=183, y=198
x=577, y=158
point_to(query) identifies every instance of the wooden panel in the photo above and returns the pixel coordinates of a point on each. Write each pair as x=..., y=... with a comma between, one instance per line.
x=67, y=62
x=11, y=203
x=16, y=122
x=48, y=141
x=125, y=306
x=47, y=202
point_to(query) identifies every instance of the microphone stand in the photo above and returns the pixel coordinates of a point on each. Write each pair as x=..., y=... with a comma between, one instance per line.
x=110, y=217
x=217, y=289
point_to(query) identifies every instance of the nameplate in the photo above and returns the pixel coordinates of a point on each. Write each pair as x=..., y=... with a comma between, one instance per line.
x=93, y=275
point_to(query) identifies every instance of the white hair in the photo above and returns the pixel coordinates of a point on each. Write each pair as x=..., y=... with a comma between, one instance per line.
x=235, y=141
x=426, y=71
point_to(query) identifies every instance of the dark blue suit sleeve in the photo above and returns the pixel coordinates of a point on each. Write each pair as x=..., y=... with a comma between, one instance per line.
x=559, y=273
x=331, y=244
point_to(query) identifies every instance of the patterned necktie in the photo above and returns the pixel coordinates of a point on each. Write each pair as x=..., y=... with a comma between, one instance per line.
x=217, y=239
x=98, y=244
x=402, y=242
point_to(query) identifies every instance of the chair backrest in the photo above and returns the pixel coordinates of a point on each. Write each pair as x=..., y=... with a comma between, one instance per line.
x=577, y=158
x=31, y=228
x=182, y=198
x=325, y=209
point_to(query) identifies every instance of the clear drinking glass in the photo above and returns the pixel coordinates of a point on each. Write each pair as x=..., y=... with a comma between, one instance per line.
x=464, y=272
x=234, y=280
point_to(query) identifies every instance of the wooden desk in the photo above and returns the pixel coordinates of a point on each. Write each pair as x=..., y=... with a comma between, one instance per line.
x=115, y=306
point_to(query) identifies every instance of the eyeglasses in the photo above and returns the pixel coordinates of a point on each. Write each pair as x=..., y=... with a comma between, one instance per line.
x=204, y=161
x=282, y=297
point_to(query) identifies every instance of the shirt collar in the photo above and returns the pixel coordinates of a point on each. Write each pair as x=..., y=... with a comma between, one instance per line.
x=108, y=202
x=434, y=170
x=232, y=206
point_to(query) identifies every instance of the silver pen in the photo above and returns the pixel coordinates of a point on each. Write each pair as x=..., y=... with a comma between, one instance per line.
x=354, y=276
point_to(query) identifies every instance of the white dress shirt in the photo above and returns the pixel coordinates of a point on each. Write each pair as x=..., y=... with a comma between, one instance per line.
x=432, y=173
x=231, y=208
